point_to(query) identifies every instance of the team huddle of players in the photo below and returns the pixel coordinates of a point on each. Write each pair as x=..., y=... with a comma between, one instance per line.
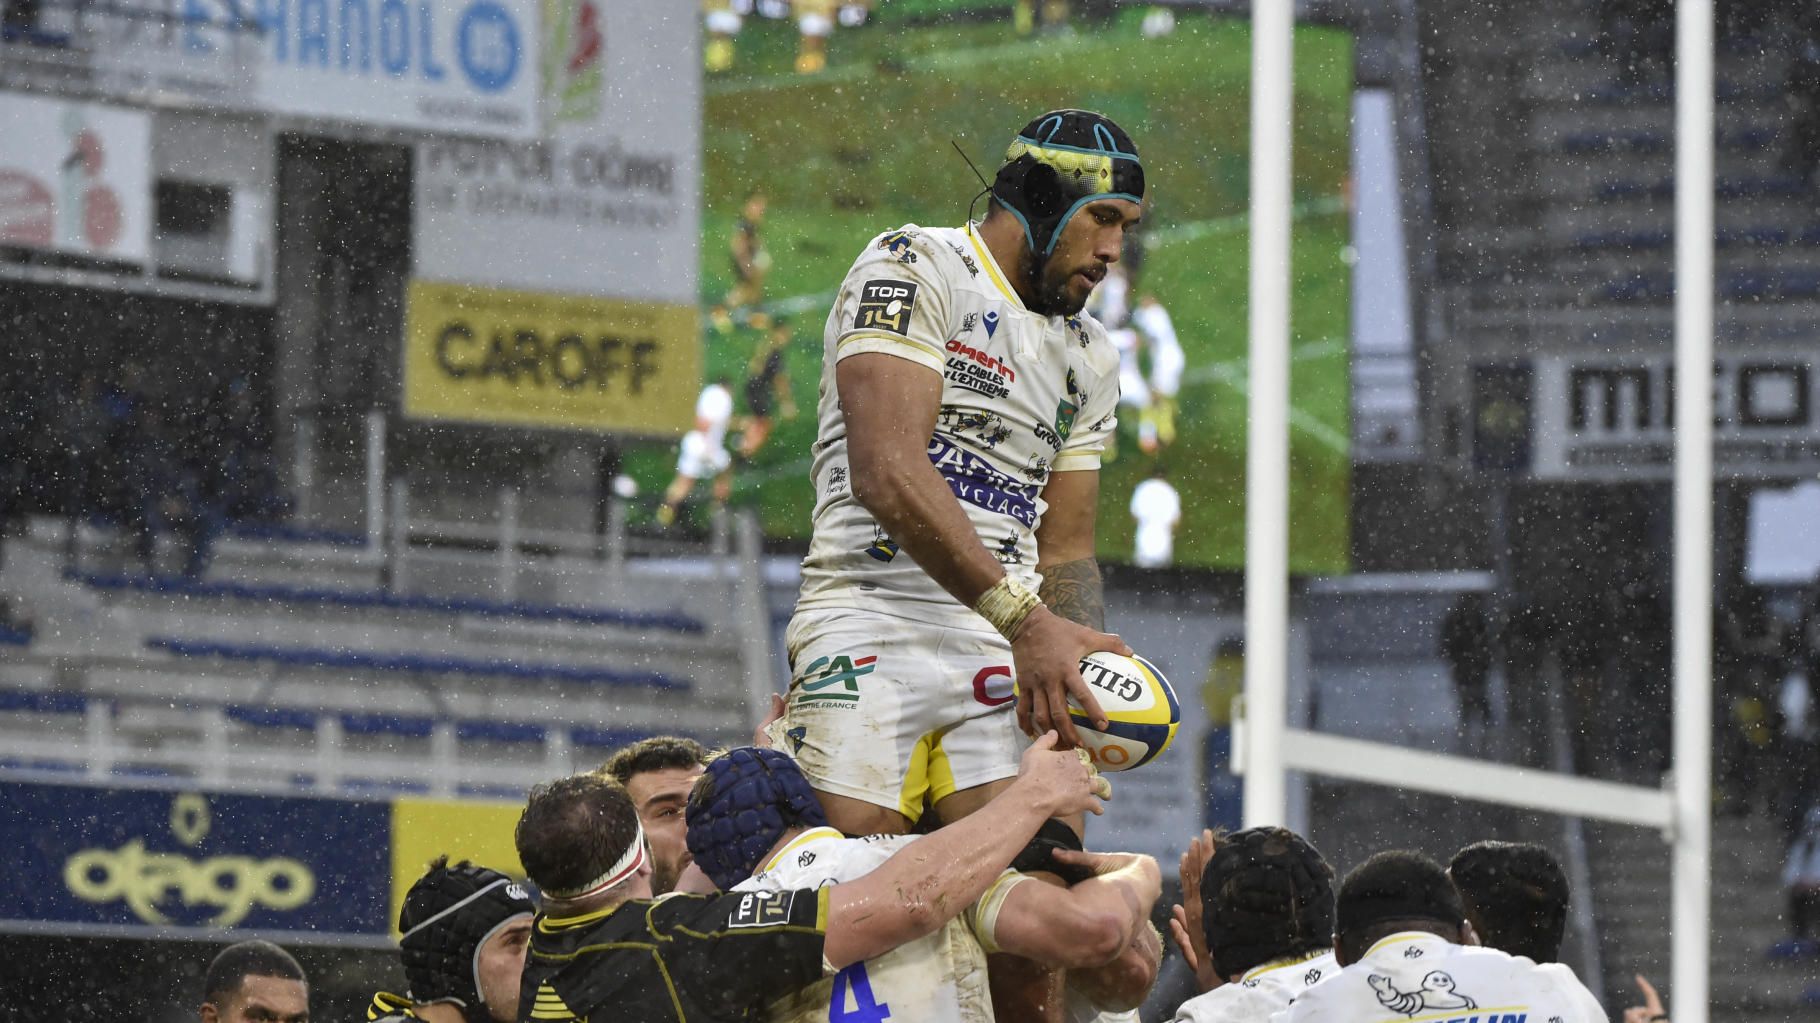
x=1269, y=935
x=903, y=840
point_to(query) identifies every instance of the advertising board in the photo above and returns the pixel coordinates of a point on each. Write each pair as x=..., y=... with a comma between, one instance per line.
x=75, y=178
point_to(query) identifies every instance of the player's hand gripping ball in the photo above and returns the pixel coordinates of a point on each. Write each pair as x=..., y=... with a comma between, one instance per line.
x=1140, y=706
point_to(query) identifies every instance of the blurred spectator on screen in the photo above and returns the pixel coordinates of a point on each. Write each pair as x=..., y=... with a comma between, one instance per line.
x=1158, y=510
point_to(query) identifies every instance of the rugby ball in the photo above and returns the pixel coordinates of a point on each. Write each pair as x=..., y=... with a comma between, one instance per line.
x=1141, y=709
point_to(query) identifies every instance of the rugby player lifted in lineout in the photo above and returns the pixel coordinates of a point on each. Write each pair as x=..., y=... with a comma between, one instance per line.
x=965, y=401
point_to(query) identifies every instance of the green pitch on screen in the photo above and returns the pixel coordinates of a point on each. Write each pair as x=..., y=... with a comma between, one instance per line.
x=865, y=147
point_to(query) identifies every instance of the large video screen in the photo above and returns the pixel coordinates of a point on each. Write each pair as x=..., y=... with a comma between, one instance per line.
x=850, y=137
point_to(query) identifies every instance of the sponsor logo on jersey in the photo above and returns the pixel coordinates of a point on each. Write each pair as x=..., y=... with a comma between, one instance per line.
x=966, y=260
x=1437, y=992
x=1007, y=551
x=987, y=428
x=885, y=305
x=984, y=359
x=976, y=482
x=1069, y=407
x=797, y=737
x=882, y=547
x=992, y=686
x=898, y=244
x=978, y=371
x=991, y=322
x=761, y=909
x=835, y=680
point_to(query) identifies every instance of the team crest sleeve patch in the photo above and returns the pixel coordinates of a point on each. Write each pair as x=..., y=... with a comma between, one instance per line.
x=885, y=305
x=762, y=909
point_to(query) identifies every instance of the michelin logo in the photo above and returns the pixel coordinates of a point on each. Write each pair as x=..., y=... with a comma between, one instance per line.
x=1437, y=992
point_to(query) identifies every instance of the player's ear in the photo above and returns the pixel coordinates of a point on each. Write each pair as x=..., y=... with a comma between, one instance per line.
x=1468, y=936
x=209, y=1013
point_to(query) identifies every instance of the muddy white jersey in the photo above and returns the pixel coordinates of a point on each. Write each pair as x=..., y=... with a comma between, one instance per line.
x=1262, y=991
x=938, y=977
x=1022, y=396
x=1415, y=977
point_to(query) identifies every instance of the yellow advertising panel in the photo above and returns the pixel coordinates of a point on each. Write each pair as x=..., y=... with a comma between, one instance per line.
x=571, y=362
x=423, y=829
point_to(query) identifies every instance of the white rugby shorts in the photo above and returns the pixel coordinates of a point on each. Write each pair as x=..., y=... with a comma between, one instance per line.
x=894, y=712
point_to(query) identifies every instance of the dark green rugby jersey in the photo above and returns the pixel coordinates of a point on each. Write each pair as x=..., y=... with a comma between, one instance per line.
x=678, y=959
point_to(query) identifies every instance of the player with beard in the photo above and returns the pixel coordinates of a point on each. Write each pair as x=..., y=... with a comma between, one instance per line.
x=657, y=773
x=966, y=399
x=965, y=403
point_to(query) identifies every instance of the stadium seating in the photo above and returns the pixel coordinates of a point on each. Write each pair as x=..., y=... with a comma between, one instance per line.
x=289, y=665
x=277, y=594
x=1560, y=226
x=408, y=663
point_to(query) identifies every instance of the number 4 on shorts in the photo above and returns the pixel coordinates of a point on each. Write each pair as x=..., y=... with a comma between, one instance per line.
x=864, y=1010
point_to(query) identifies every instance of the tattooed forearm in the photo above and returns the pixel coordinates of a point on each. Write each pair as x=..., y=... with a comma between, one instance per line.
x=1073, y=591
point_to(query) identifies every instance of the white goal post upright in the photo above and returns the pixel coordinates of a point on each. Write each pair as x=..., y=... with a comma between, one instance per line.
x=1265, y=748
x=1267, y=415
x=1691, y=902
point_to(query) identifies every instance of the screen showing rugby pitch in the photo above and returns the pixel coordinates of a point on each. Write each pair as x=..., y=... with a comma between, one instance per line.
x=837, y=155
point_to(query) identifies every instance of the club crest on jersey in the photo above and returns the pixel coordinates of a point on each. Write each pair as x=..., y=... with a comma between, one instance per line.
x=1065, y=411
x=885, y=305
x=991, y=322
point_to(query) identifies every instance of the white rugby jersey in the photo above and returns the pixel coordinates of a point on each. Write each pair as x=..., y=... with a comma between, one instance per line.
x=1263, y=991
x=939, y=977
x=715, y=408
x=1022, y=396
x=1415, y=977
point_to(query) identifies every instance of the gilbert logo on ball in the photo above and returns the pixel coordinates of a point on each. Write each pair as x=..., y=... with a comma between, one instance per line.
x=1141, y=709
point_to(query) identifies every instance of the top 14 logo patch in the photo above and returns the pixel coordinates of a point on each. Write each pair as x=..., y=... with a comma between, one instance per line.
x=885, y=305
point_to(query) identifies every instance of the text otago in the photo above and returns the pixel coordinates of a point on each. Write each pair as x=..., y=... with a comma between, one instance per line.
x=233, y=886
x=568, y=361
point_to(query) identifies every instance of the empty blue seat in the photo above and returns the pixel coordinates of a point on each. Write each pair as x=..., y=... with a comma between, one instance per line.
x=506, y=793
x=272, y=717
x=1760, y=235
x=410, y=663
x=605, y=738
x=275, y=593
x=28, y=702
x=409, y=726
x=41, y=764
x=286, y=533
x=500, y=731
x=384, y=787
x=10, y=636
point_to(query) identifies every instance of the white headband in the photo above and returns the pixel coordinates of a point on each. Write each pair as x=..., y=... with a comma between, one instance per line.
x=628, y=865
